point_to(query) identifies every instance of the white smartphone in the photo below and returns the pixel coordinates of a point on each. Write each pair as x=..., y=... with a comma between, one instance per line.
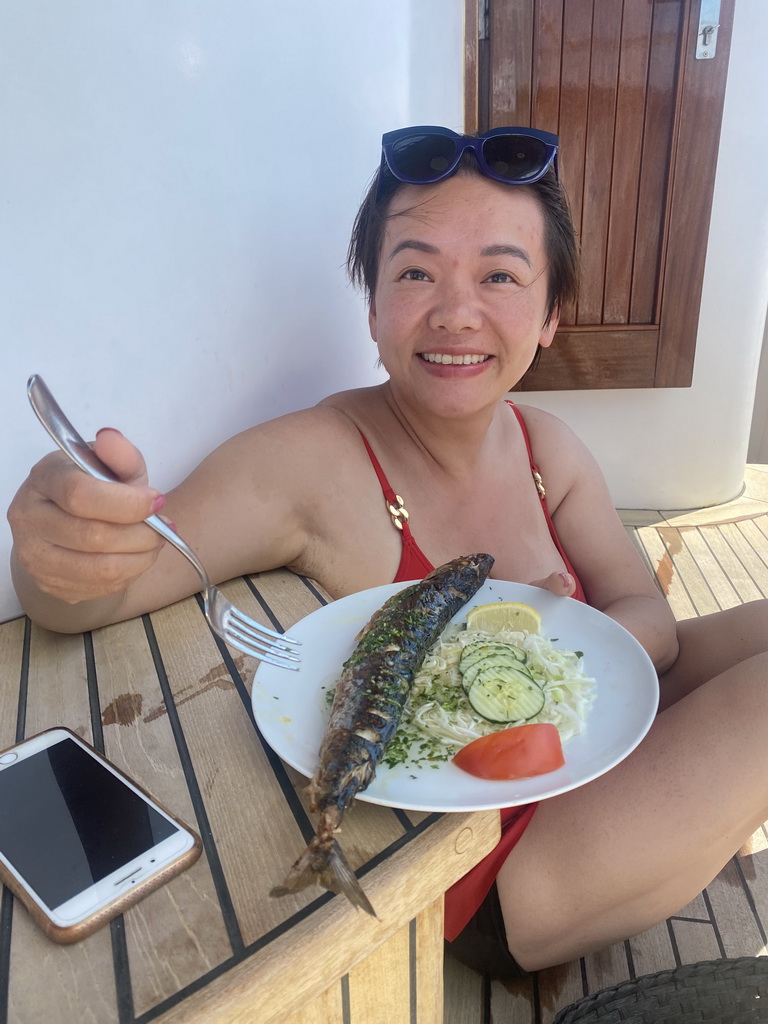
x=79, y=841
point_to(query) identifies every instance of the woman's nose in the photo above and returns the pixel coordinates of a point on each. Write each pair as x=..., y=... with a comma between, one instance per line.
x=455, y=310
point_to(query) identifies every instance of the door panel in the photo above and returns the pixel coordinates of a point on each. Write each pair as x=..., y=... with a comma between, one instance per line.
x=639, y=124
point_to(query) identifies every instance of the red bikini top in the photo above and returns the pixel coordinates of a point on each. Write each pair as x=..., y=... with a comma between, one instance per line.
x=414, y=564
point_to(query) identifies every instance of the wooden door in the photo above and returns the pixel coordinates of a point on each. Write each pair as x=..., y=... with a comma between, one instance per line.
x=639, y=123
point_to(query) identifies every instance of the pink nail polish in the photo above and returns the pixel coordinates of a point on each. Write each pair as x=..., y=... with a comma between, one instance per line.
x=113, y=429
x=158, y=503
x=566, y=578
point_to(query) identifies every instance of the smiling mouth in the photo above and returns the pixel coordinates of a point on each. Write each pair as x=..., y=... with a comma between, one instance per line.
x=445, y=358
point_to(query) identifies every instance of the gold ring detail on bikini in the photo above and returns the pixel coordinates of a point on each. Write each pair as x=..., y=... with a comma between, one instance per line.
x=398, y=512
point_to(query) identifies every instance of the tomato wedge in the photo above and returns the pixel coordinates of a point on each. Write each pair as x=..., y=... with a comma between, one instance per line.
x=516, y=753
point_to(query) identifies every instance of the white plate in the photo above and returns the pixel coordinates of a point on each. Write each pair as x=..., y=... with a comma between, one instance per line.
x=291, y=710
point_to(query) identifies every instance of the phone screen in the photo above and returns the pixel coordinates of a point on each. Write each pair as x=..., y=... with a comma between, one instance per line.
x=66, y=821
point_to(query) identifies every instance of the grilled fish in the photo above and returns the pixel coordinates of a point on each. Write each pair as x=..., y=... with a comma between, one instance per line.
x=367, y=708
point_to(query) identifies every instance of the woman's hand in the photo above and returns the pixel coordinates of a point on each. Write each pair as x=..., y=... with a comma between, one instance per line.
x=79, y=539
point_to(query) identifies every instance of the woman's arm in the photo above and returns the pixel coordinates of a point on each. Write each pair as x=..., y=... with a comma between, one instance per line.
x=83, y=556
x=614, y=577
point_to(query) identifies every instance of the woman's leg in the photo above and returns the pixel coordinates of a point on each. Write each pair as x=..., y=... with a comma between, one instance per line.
x=622, y=853
x=713, y=643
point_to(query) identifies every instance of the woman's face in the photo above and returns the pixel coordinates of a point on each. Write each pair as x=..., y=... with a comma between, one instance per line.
x=461, y=295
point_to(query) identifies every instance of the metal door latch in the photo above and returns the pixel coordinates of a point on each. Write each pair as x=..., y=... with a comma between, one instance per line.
x=709, y=23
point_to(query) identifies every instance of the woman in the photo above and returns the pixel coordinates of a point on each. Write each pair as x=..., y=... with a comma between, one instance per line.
x=466, y=252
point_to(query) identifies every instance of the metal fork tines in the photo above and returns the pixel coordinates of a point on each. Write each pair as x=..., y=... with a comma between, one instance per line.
x=246, y=634
x=227, y=621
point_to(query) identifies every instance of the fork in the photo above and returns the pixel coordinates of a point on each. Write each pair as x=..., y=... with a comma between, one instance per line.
x=232, y=625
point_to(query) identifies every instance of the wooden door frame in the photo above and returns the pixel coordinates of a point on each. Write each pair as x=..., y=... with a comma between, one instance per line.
x=661, y=354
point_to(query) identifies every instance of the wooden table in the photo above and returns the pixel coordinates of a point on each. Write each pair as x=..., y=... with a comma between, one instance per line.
x=170, y=705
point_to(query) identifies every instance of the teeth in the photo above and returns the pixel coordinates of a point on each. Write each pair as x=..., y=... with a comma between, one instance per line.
x=443, y=357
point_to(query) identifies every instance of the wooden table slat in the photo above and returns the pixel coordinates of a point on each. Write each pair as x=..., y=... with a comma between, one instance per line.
x=243, y=799
x=171, y=707
x=57, y=689
x=11, y=660
x=164, y=931
x=79, y=980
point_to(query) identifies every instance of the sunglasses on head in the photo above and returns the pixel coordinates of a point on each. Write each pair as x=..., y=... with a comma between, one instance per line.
x=426, y=154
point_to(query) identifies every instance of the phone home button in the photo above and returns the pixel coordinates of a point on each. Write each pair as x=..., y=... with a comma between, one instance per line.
x=8, y=758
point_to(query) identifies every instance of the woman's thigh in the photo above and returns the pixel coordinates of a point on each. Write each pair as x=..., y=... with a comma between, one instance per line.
x=612, y=858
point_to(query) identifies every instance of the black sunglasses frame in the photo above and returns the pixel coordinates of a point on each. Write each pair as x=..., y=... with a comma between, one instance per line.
x=462, y=143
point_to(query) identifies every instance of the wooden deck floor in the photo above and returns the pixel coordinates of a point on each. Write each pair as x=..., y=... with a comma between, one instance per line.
x=703, y=560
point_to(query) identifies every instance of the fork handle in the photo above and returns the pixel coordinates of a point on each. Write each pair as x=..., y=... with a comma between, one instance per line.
x=52, y=417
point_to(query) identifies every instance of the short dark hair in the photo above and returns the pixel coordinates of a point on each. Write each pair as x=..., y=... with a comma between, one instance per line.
x=559, y=234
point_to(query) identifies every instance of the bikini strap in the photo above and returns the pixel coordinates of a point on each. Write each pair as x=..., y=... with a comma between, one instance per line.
x=534, y=468
x=579, y=592
x=393, y=501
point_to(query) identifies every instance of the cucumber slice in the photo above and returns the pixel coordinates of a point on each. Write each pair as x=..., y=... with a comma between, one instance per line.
x=510, y=698
x=497, y=662
x=473, y=652
x=477, y=652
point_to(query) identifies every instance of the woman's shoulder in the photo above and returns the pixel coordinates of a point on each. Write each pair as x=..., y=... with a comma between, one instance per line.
x=305, y=445
x=318, y=425
x=356, y=404
x=544, y=428
x=561, y=456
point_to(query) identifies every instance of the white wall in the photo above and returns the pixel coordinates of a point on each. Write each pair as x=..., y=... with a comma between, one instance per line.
x=169, y=273
x=178, y=182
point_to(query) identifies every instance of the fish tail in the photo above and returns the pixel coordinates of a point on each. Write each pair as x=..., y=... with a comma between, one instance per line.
x=324, y=863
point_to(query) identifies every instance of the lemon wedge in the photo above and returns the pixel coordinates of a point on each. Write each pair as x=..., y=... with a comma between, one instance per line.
x=493, y=618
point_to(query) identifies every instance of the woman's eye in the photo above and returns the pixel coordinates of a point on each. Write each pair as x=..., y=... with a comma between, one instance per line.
x=500, y=277
x=414, y=275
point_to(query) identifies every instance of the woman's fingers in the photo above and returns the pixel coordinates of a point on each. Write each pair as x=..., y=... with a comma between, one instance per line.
x=79, y=538
x=561, y=583
x=69, y=488
x=122, y=457
x=76, y=532
x=57, y=480
x=73, y=576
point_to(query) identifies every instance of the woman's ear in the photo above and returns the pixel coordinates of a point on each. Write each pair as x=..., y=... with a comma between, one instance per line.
x=549, y=328
x=372, y=319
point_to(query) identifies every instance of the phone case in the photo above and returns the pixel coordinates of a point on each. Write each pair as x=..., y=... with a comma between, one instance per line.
x=100, y=917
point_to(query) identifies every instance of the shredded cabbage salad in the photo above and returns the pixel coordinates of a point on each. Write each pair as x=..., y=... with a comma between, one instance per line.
x=438, y=719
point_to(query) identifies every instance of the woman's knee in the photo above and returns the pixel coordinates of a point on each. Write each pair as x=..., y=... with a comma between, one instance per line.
x=742, y=628
x=535, y=907
x=713, y=644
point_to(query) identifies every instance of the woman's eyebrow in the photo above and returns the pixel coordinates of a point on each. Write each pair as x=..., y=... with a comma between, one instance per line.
x=507, y=250
x=490, y=250
x=414, y=243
